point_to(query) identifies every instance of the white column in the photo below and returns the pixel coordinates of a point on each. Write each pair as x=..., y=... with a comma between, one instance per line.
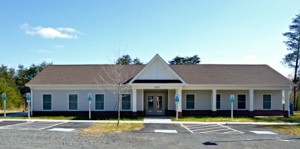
x=143, y=100
x=31, y=102
x=179, y=92
x=213, y=100
x=287, y=101
x=251, y=99
x=133, y=100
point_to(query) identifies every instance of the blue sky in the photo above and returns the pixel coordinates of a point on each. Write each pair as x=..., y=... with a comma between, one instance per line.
x=88, y=32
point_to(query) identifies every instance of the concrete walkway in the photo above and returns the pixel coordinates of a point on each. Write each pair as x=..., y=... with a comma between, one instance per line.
x=158, y=120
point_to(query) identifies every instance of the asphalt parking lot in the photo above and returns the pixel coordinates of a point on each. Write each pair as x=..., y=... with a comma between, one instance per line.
x=148, y=128
x=51, y=134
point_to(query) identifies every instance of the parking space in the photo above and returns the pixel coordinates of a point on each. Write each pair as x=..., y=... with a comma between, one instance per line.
x=6, y=123
x=254, y=129
x=71, y=126
x=31, y=125
x=45, y=125
x=211, y=129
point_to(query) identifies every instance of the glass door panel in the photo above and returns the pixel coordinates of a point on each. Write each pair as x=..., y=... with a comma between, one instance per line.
x=150, y=104
x=159, y=104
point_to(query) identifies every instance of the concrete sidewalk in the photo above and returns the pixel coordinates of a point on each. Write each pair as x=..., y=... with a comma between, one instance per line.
x=157, y=121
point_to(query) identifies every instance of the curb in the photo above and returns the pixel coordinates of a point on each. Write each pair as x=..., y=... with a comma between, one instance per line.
x=155, y=122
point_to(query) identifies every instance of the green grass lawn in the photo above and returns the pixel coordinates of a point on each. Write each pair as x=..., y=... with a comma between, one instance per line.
x=294, y=118
x=291, y=130
x=112, y=128
x=16, y=110
x=70, y=118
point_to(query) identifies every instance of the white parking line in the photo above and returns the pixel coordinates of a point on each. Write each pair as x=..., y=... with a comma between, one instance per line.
x=186, y=128
x=204, y=126
x=52, y=126
x=7, y=126
x=62, y=129
x=264, y=132
x=200, y=129
x=214, y=128
x=165, y=131
x=232, y=129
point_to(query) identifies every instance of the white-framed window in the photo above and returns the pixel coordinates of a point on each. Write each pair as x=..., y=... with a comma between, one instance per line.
x=99, y=101
x=241, y=99
x=190, y=102
x=47, y=102
x=126, y=101
x=73, y=101
x=267, y=101
x=218, y=101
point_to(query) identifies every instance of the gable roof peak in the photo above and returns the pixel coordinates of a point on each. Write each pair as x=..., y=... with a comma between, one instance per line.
x=163, y=62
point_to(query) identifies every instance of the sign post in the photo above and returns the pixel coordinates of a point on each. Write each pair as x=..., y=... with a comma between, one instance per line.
x=4, y=103
x=231, y=102
x=28, y=102
x=177, y=102
x=90, y=101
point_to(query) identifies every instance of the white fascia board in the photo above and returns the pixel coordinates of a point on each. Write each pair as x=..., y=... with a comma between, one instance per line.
x=152, y=61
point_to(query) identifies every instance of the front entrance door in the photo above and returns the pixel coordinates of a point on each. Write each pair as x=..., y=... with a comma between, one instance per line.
x=155, y=104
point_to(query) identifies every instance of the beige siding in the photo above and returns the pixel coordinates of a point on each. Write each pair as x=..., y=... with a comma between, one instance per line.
x=203, y=99
x=140, y=100
x=171, y=100
x=276, y=99
x=225, y=95
x=157, y=70
x=60, y=99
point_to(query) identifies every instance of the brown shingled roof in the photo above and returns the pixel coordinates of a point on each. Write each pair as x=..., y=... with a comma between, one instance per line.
x=191, y=74
x=229, y=74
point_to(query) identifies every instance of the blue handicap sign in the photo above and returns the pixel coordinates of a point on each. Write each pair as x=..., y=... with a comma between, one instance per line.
x=231, y=98
x=28, y=97
x=3, y=96
x=90, y=97
x=177, y=98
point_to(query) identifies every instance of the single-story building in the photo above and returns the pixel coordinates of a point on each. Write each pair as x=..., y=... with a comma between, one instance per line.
x=203, y=89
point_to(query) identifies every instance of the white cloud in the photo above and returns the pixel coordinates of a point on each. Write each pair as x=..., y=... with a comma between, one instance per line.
x=41, y=51
x=50, y=32
x=59, y=46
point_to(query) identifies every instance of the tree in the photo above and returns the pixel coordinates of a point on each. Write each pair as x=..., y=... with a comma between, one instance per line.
x=293, y=46
x=114, y=79
x=124, y=60
x=137, y=61
x=24, y=75
x=7, y=85
x=193, y=60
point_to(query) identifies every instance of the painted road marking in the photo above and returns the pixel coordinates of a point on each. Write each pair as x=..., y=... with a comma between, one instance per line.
x=32, y=125
x=165, y=131
x=52, y=125
x=186, y=128
x=62, y=129
x=210, y=129
x=9, y=126
x=264, y=132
